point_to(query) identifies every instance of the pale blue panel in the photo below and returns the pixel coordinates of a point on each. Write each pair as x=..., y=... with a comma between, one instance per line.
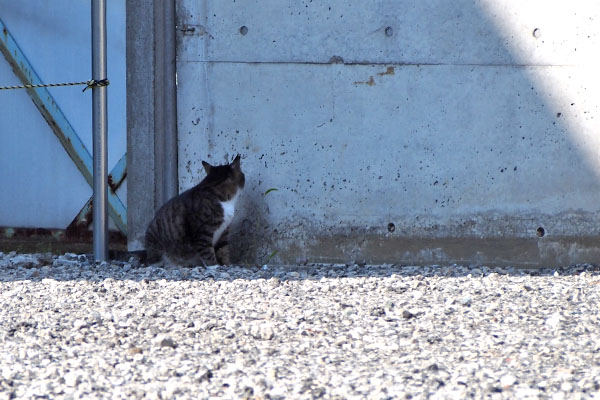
x=55, y=37
x=42, y=186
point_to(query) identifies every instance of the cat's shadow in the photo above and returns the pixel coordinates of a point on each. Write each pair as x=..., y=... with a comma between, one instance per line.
x=277, y=274
x=250, y=236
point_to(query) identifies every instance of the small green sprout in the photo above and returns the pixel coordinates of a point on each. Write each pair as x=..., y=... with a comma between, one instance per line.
x=269, y=191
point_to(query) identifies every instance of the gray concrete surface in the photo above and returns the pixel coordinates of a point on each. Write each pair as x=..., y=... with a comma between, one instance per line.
x=454, y=135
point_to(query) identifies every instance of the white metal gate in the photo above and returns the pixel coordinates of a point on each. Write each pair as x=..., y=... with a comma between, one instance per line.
x=45, y=164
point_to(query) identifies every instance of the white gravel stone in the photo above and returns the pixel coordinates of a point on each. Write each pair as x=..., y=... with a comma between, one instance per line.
x=72, y=379
x=553, y=320
x=508, y=380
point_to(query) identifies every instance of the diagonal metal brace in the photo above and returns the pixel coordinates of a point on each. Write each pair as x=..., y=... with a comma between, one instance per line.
x=57, y=121
x=83, y=220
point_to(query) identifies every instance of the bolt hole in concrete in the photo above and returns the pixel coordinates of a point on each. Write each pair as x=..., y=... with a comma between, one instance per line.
x=537, y=33
x=540, y=232
x=244, y=30
x=389, y=31
x=391, y=227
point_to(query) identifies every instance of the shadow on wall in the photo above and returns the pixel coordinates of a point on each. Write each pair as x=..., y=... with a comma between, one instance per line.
x=250, y=226
x=468, y=125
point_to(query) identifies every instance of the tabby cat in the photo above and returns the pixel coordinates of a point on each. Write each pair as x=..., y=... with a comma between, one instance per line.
x=192, y=228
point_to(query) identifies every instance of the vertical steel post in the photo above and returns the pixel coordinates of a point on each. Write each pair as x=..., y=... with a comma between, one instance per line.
x=165, y=101
x=170, y=186
x=99, y=131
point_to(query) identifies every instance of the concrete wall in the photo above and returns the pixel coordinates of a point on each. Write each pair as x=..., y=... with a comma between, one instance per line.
x=398, y=131
x=41, y=187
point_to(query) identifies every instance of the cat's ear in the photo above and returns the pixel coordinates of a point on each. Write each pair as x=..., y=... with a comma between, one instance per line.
x=236, y=161
x=207, y=167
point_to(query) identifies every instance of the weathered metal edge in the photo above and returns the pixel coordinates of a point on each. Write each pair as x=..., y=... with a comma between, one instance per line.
x=84, y=218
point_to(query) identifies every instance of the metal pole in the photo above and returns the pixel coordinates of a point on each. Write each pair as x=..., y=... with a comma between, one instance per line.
x=170, y=188
x=99, y=129
x=165, y=101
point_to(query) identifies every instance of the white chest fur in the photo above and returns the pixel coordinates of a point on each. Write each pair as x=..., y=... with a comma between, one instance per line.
x=228, y=211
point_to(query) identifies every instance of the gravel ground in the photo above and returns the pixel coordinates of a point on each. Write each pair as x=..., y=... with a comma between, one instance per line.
x=73, y=329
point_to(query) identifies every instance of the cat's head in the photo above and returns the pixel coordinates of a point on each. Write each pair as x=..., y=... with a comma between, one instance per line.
x=230, y=176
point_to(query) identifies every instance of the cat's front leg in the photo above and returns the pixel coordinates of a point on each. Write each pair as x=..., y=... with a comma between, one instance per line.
x=210, y=258
x=205, y=254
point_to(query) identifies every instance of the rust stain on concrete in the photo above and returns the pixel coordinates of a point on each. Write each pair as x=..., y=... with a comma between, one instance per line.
x=370, y=82
x=388, y=71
